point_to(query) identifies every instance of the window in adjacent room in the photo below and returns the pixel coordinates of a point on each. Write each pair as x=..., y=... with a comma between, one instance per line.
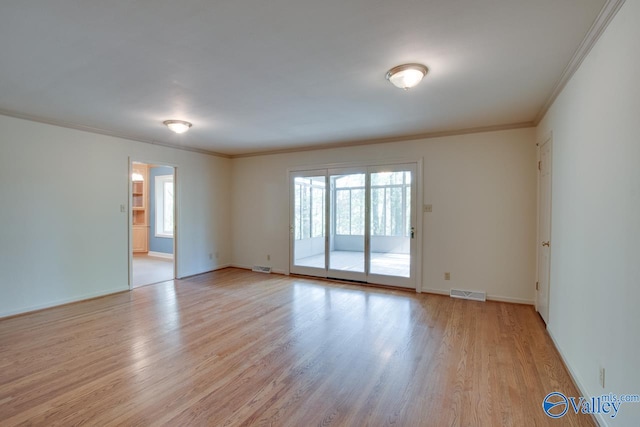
x=164, y=205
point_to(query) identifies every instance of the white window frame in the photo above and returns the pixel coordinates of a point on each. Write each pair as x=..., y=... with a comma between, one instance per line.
x=160, y=181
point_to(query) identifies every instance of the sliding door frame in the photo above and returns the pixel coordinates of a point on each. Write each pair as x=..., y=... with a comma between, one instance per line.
x=293, y=268
x=417, y=246
x=358, y=276
x=381, y=279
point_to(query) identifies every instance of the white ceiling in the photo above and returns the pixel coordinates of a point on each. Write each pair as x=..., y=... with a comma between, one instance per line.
x=257, y=76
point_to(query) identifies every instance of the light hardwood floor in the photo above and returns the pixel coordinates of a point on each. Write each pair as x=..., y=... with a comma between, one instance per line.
x=240, y=348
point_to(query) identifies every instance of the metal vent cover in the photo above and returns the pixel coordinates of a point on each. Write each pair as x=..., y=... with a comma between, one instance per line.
x=471, y=295
x=261, y=269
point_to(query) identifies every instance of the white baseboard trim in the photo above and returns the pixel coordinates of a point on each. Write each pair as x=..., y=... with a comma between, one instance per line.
x=435, y=291
x=59, y=302
x=243, y=267
x=576, y=380
x=489, y=297
x=215, y=268
x=273, y=270
x=511, y=300
x=160, y=255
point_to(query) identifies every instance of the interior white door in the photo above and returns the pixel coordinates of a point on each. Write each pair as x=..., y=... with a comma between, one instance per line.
x=544, y=230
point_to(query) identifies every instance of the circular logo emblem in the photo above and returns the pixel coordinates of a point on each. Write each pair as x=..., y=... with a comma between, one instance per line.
x=555, y=404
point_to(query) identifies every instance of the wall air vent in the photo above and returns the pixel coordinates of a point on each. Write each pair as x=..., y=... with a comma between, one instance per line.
x=261, y=269
x=472, y=295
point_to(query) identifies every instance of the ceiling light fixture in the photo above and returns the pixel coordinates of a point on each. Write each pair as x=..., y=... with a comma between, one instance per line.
x=178, y=126
x=407, y=75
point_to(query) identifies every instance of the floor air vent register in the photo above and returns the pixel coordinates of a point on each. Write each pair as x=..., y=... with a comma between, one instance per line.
x=471, y=295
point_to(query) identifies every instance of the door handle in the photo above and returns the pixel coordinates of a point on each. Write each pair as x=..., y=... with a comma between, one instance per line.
x=547, y=244
x=413, y=232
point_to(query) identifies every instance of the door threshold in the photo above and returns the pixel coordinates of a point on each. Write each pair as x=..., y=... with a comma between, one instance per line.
x=360, y=282
x=354, y=282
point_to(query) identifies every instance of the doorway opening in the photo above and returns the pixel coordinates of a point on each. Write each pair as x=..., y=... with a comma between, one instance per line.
x=152, y=246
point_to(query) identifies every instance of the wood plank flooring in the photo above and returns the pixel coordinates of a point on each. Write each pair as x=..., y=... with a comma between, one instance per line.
x=240, y=348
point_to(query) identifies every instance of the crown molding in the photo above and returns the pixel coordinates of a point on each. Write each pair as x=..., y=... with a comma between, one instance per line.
x=100, y=131
x=608, y=11
x=338, y=144
x=413, y=137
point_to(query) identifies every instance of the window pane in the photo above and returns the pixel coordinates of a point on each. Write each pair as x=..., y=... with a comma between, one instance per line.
x=305, y=200
x=163, y=205
x=407, y=229
x=377, y=211
x=297, y=220
x=342, y=212
x=168, y=208
x=357, y=212
x=396, y=178
x=395, y=210
x=317, y=199
x=350, y=181
x=309, y=221
x=380, y=178
x=387, y=212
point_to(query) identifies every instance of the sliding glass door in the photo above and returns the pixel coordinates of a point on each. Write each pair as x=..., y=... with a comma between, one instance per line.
x=308, y=223
x=392, y=212
x=355, y=224
x=347, y=224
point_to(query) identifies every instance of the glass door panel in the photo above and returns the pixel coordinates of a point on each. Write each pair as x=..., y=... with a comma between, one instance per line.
x=308, y=219
x=347, y=224
x=392, y=216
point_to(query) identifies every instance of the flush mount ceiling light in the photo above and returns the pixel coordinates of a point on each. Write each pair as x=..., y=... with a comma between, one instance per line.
x=407, y=75
x=178, y=126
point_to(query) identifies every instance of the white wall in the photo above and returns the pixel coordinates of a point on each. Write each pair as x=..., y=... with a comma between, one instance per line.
x=482, y=188
x=62, y=235
x=595, y=240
